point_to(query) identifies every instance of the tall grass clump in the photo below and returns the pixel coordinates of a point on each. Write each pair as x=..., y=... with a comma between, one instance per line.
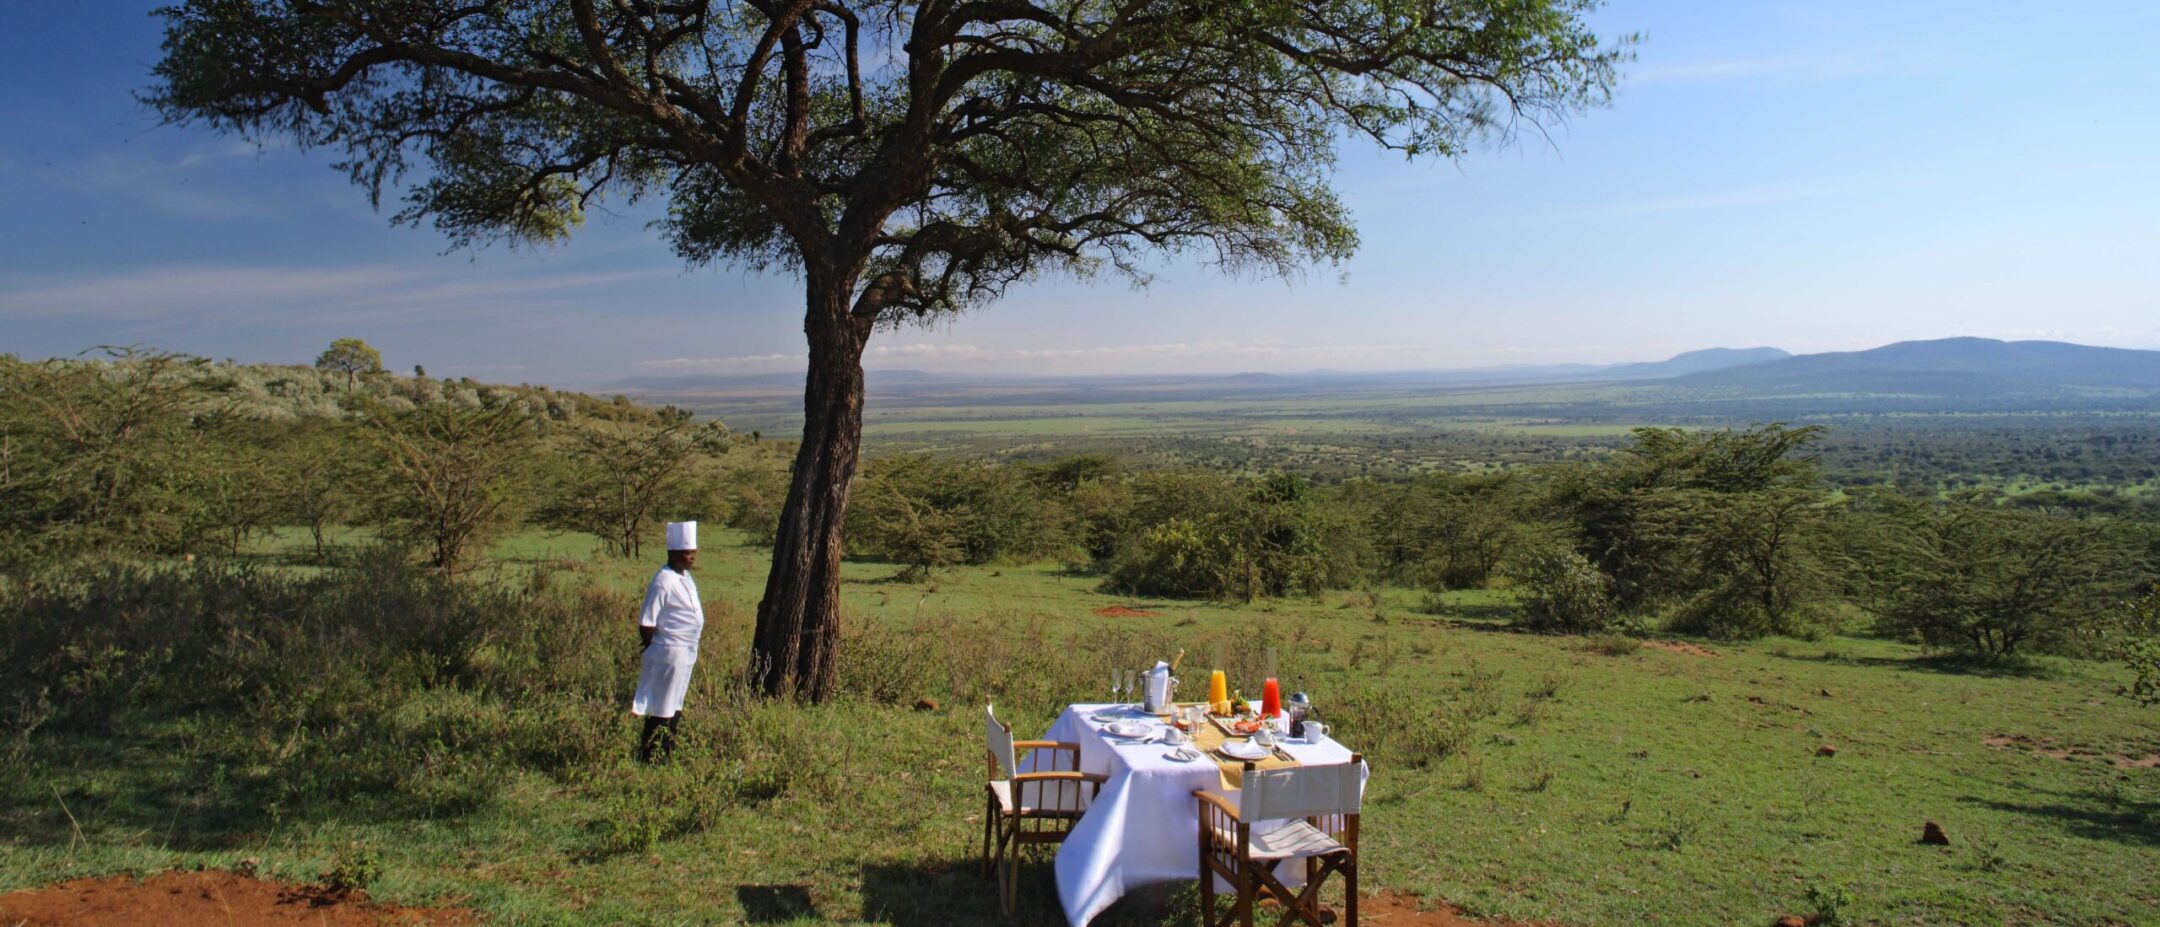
x=378, y=682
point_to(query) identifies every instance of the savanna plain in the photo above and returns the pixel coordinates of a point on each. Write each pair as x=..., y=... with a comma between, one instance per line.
x=1555, y=737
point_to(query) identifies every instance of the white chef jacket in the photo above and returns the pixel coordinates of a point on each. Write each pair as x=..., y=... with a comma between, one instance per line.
x=672, y=609
x=677, y=617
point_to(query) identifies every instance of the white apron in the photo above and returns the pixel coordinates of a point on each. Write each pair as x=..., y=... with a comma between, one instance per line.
x=663, y=679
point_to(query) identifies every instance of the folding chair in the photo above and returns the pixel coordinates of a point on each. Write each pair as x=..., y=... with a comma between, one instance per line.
x=1028, y=807
x=1320, y=804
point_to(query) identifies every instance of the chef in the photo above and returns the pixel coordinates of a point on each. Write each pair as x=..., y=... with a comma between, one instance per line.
x=669, y=626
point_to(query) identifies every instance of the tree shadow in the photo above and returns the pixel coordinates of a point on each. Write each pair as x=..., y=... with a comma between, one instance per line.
x=938, y=892
x=775, y=904
x=2091, y=814
x=149, y=785
x=1952, y=664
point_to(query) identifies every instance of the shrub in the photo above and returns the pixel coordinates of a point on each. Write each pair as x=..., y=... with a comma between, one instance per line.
x=1272, y=538
x=1562, y=592
x=1992, y=581
x=2138, y=647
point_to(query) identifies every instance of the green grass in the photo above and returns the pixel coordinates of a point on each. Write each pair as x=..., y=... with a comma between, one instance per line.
x=1515, y=775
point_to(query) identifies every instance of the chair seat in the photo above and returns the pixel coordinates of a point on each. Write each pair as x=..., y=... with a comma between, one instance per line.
x=1050, y=798
x=1294, y=840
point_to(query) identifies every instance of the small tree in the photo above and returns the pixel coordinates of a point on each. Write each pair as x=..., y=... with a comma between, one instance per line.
x=96, y=453
x=317, y=467
x=352, y=357
x=1563, y=592
x=1991, y=580
x=449, y=477
x=1745, y=562
x=622, y=474
x=235, y=482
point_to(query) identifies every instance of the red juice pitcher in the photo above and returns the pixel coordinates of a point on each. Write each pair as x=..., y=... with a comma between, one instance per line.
x=1271, y=699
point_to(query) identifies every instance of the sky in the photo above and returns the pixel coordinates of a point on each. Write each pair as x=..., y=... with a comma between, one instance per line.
x=1813, y=176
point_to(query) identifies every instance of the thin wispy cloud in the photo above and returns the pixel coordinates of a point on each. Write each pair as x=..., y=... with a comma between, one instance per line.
x=192, y=295
x=977, y=357
x=188, y=187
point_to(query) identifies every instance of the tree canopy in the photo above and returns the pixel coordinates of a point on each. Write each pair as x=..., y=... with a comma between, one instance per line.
x=904, y=160
x=351, y=357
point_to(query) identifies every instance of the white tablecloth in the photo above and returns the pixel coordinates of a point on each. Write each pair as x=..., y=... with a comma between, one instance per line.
x=1144, y=826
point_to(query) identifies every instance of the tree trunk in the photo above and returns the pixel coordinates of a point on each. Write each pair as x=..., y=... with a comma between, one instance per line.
x=798, y=624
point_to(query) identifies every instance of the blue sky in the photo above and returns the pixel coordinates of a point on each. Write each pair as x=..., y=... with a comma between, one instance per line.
x=1814, y=176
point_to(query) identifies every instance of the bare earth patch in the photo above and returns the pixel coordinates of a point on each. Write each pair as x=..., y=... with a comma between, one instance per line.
x=2044, y=748
x=186, y=899
x=1680, y=647
x=1123, y=611
x=1396, y=909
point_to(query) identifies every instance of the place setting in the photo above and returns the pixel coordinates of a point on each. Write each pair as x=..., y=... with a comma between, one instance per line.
x=1158, y=765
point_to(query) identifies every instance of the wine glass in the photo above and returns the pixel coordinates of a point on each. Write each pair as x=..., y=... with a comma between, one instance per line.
x=1132, y=686
x=1117, y=684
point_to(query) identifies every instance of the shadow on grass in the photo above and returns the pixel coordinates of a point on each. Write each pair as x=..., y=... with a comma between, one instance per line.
x=2093, y=815
x=775, y=904
x=934, y=893
x=149, y=786
x=1495, y=612
x=1953, y=664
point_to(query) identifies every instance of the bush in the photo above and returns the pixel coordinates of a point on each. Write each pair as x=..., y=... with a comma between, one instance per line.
x=1993, y=581
x=1270, y=537
x=926, y=513
x=2138, y=647
x=1563, y=592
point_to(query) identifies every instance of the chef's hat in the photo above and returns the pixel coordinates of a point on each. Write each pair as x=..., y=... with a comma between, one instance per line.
x=682, y=535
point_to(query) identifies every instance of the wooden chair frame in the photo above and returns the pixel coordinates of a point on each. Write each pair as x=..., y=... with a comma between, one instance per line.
x=1059, y=795
x=1251, y=878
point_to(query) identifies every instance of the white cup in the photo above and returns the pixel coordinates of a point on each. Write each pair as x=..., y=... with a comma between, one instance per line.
x=1315, y=732
x=1174, y=737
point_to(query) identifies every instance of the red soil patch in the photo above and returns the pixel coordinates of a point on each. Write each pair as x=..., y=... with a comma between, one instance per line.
x=224, y=899
x=1395, y=909
x=1680, y=647
x=1122, y=611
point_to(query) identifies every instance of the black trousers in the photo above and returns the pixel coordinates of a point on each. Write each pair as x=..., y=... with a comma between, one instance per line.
x=658, y=738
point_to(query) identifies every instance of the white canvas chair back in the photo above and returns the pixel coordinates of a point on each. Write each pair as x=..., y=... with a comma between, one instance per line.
x=1301, y=792
x=1001, y=743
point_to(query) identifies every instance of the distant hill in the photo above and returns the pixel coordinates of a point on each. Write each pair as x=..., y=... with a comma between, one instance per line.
x=1692, y=362
x=1948, y=367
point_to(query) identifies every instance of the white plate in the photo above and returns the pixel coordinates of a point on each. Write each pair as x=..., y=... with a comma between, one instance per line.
x=1129, y=730
x=1181, y=755
x=1245, y=750
x=1105, y=717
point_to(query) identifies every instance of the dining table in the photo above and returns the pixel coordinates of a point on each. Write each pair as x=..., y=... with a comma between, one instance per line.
x=1143, y=825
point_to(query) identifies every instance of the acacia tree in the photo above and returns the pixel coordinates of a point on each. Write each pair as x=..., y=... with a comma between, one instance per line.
x=623, y=475
x=903, y=160
x=351, y=357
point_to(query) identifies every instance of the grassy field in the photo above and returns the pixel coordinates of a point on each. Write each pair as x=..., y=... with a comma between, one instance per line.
x=1515, y=775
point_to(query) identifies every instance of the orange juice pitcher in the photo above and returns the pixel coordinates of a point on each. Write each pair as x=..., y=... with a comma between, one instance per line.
x=1218, y=693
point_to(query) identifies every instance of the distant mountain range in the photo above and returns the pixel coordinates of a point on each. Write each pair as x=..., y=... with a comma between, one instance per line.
x=1946, y=367
x=1691, y=362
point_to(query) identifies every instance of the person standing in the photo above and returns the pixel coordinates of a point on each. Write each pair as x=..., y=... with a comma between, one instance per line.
x=669, y=626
